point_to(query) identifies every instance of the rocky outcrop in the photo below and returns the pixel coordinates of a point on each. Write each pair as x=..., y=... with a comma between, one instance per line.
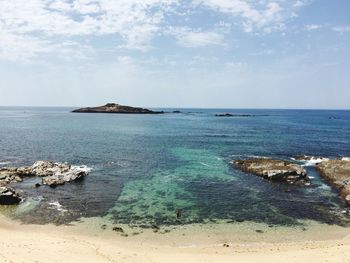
x=46, y=168
x=337, y=172
x=274, y=170
x=9, y=196
x=52, y=174
x=9, y=175
x=74, y=173
x=58, y=173
x=233, y=115
x=116, y=108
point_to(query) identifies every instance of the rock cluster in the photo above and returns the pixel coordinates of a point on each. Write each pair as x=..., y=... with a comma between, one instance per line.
x=52, y=174
x=337, y=172
x=274, y=170
x=9, y=175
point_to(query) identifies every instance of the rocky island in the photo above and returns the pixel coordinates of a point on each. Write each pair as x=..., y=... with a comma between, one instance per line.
x=116, y=108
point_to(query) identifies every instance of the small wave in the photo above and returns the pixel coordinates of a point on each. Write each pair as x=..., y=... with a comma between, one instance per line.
x=345, y=158
x=4, y=163
x=312, y=161
x=57, y=206
x=325, y=187
x=207, y=165
x=257, y=156
x=82, y=168
x=249, y=156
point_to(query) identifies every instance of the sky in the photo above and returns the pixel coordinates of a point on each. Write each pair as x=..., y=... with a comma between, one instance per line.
x=176, y=53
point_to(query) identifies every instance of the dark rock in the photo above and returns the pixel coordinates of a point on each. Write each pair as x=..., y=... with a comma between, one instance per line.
x=118, y=229
x=178, y=214
x=177, y=111
x=337, y=172
x=37, y=185
x=259, y=231
x=155, y=227
x=116, y=108
x=9, y=196
x=224, y=115
x=233, y=115
x=274, y=170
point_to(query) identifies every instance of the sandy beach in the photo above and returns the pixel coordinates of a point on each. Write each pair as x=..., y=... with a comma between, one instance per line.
x=81, y=243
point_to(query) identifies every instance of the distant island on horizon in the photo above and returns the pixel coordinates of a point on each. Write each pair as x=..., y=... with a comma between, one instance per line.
x=116, y=108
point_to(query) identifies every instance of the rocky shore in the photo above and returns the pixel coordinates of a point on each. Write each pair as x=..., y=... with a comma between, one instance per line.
x=337, y=172
x=116, y=108
x=274, y=170
x=52, y=173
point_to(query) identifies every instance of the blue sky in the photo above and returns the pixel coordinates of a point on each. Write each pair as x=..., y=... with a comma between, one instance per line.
x=174, y=53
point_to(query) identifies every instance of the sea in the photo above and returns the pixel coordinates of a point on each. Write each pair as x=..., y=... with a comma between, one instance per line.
x=146, y=169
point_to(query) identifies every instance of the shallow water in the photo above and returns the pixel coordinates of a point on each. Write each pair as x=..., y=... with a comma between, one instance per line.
x=145, y=167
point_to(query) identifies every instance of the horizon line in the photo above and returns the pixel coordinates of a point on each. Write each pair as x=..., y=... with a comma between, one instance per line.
x=177, y=107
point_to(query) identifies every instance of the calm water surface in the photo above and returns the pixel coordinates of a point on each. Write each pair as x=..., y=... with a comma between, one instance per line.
x=145, y=167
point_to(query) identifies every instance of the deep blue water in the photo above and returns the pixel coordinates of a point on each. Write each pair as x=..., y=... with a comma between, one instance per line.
x=145, y=167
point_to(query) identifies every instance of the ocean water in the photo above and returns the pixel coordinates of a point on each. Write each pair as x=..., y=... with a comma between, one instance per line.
x=146, y=167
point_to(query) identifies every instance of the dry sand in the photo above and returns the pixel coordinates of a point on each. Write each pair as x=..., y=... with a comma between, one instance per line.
x=81, y=243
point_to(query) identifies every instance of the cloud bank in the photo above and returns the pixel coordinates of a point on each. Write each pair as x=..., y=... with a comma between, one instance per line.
x=29, y=28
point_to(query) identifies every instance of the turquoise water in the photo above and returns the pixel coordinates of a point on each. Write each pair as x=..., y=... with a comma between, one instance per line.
x=146, y=167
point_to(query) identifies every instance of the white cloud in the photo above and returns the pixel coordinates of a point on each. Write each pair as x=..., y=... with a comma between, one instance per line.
x=38, y=22
x=301, y=3
x=29, y=28
x=313, y=27
x=188, y=37
x=265, y=15
x=341, y=29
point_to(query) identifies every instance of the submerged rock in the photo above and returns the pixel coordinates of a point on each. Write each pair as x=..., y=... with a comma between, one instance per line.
x=9, y=196
x=274, y=170
x=337, y=172
x=116, y=108
x=118, y=229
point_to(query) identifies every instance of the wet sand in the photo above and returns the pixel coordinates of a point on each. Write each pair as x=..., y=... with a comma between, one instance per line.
x=243, y=242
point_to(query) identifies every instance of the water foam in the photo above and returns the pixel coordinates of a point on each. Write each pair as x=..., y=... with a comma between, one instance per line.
x=56, y=205
x=81, y=168
x=312, y=161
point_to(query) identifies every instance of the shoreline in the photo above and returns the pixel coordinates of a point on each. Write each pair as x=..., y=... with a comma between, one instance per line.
x=86, y=242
